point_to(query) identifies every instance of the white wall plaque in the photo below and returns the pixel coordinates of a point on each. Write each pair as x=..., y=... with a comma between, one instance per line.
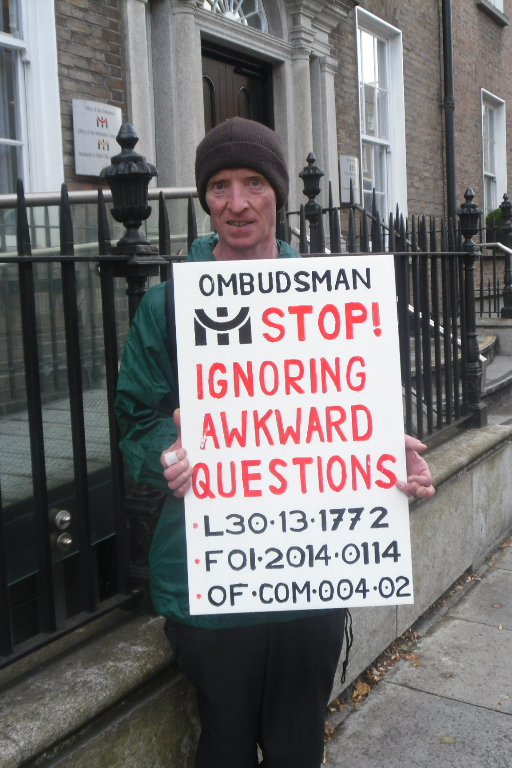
x=95, y=127
x=349, y=171
x=291, y=412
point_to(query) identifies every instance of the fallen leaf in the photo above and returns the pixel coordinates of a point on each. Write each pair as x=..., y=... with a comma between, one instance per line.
x=500, y=626
x=417, y=664
x=411, y=656
x=361, y=691
x=447, y=740
x=497, y=605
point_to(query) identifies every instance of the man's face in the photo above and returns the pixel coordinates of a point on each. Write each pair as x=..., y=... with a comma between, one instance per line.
x=242, y=205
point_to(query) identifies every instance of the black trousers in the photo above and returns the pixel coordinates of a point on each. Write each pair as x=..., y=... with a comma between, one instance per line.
x=268, y=684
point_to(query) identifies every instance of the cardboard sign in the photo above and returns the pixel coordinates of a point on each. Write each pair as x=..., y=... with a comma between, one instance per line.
x=95, y=127
x=291, y=411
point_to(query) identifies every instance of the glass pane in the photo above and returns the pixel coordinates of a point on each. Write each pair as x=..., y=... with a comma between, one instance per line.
x=367, y=166
x=490, y=124
x=367, y=58
x=382, y=97
x=489, y=194
x=8, y=95
x=491, y=167
x=9, y=17
x=379, y=164
x=370, y=111
x=248, y=12
x=10, y=168
x=382, y=64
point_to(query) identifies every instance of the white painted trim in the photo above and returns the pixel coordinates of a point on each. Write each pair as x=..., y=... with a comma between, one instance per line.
x=500, y=137
x=397, y=166
x=43, y=132
x=8, y=41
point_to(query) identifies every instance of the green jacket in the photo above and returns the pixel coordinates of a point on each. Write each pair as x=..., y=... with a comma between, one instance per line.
x=144, y=412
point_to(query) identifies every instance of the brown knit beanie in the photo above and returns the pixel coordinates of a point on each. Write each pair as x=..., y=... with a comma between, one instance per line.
x=240, y=143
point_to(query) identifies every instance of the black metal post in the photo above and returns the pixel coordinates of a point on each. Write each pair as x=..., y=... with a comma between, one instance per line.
x=128, y=177
x=506, y=239
x=311, y=176
x=469, y=218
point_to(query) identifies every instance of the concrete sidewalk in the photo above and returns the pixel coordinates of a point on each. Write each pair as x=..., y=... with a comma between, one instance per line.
x=452, y=705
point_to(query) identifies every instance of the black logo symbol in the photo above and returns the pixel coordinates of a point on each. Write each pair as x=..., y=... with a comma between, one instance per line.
x=242, y=321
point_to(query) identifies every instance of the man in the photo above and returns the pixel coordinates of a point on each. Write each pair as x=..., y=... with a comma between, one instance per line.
x=261, y=679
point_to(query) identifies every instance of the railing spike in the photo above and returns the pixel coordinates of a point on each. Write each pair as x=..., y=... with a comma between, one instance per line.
x=352, y=236
x=282, y=225
x=192, y=222
x=433, y=234
x=391, y=241
x=320, y=234
x=365, y=245
x=104, y=244
x=303, y=238
x=22, y=229
x=164, y=232
x=375, y=230
x=414, y=235
x=67, y=245
x=334, y=224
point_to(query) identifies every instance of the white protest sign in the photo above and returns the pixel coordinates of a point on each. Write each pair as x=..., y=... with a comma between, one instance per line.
x=291, y=412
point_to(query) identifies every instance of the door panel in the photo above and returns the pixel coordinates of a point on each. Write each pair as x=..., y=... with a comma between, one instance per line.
x=235, y=88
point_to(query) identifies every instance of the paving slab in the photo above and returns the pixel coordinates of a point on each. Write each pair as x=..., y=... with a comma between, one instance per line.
x=464, y=661
x=504, y=558
x=397, y=726
x=486, y=605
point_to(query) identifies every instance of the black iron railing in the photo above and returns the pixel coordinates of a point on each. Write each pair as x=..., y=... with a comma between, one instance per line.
x=74, y=533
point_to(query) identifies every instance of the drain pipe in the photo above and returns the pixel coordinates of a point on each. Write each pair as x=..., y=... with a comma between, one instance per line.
x=449, y=113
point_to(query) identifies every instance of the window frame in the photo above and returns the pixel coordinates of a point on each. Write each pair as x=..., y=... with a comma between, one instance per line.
x=499, y=176
x=395, y=149
x=39, y=116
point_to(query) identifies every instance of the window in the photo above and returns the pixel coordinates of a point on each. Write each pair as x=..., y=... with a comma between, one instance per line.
x=11, y=143
x=493, y=151
x=249, y=12
x=381, y=106
x=494, y=9
x=30, y=131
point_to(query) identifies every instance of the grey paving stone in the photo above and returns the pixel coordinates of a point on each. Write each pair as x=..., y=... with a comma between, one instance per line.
x=486, y=602
x=451, y=664
x=401, y=727
x=504, y=558
x=14, y=427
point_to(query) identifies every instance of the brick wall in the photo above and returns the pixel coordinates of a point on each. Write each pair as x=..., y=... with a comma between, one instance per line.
x=419, y=22
x=90, y=53
x=482, y=52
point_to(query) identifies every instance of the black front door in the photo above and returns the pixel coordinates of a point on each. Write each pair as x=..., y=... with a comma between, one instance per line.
x=235, y=87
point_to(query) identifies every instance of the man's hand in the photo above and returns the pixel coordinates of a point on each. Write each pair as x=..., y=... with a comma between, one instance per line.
x=419, y=479
x=178, y=471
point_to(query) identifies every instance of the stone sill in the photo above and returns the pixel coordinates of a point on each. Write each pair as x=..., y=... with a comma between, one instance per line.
x=490, y=9
x=44, y=705
x=461, y=452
